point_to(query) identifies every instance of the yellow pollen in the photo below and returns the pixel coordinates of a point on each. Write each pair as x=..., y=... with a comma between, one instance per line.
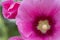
x=43, y=26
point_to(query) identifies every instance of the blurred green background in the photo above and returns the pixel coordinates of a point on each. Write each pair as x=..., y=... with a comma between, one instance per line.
x=7, y=28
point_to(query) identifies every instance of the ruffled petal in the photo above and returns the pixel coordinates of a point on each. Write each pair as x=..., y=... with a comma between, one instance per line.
x=37, y=38
x=48, y=7
x=41, y=6
x=25, y=28
x=56, y=17
x=28, y=10
x=56, y=34
x=9, y=9
x=15, y=38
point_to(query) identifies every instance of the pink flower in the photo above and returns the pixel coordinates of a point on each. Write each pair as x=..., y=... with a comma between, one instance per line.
x=10, y=9
x=38, y=20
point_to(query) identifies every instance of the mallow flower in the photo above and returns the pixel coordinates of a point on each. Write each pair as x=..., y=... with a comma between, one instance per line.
x=37, y=19
x=10, y=8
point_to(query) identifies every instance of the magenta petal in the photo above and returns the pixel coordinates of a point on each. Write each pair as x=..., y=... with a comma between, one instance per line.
x=48, y=6
x=29, y=10
x=6, y=4
x=37, y=38
x=10, y=9
x=15, y=38
x=24, y=28
x=56, y=35
x=56, y=17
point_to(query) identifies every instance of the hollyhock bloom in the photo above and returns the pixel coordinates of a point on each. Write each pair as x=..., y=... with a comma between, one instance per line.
x=38, y=20
x=10, y=8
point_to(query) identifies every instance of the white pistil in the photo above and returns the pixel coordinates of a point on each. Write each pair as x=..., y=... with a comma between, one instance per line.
x=43, y=26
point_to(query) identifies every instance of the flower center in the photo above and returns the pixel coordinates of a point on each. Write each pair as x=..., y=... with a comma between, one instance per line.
x=43, y=26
